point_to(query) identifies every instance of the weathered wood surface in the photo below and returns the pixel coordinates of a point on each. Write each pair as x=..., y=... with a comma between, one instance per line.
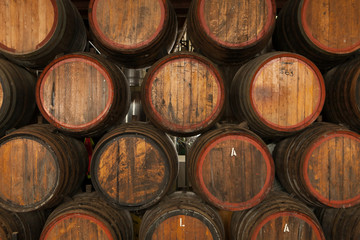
x=87, y=216
x=321, y=166
x=181, y=216
x=134, y=165
x=277, y=217
x=231, y=168
x=136, y=33
x=39, y=168
x=231, y=31
x=34, y=32
x=278, y=94
x=83, y=94
x=183, y=94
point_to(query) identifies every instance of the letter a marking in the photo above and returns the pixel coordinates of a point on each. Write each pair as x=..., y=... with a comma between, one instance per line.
x=233, y=153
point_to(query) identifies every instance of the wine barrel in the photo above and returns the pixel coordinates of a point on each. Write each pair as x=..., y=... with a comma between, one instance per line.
x=82, y=94
x=134, y=33
x=17, y=98
x=25, y=226
x=321, y=165
x=342, y=104
x=183, y=94
x=34, y=32
x=230, y=168
x=182, y=215
x=278, y=94
x=134, y=165
x=277, y=217
x=340, y=223
x=325, y=31
x=231, y=31
x=87, y=216
x=39, y=167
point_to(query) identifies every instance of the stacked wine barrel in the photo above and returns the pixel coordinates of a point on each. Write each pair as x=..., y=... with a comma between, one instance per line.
x=92, y=116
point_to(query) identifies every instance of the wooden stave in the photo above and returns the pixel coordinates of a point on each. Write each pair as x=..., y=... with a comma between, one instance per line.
x=218, y=52
x=118, y=109
x=118, y=221
x=148, y=131
x=241, y=104
x=340, y=105
x=289, y=155
x=243, y=224
x=69, y=36
x=143, y=56
x=297, y=41
x=172, y=130
x=198, y=147
x=186, y=203
x=18, y=106
x=72, y=162
x=27, y=226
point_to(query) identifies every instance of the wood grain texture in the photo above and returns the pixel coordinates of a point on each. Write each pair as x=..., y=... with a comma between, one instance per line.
x=332, y=25
x=29, y=171
x=277, y=217
x=128, y=24
x=183, y=94
x=278, y=94
x=134, y=165
x=26, y=24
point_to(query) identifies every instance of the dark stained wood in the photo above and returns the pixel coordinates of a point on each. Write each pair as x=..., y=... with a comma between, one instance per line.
x=87, y=216
x=277, y=217
x=83, y=94
x=231, y=168
x=34, y=32
x=136, y=33
x=17, y=97
x=231, y=31
x=183, y=94
x=134, y=165
x=340, y=223
x=342, y=104
x=277, y=94
x=39, y=168
x=181, y=216
x=28, y=226
x=325, y=31
x=320, y=165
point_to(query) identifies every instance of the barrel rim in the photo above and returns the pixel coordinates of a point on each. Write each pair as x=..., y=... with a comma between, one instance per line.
x=171, y=127
x=302, y=216
x=270, y=22
x=94, y=25
x=69, y=58
x=47, y=38
x=270, y=170
x=331, y=203
x=311, y=118
x=304, y=26
x=99, y=222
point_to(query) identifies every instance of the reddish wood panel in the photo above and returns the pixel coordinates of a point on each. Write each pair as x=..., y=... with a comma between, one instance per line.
x=128, y=24
x=332, y=25
x=18, y=33
x=181, y=227
x=29, y=171
x=183, y=94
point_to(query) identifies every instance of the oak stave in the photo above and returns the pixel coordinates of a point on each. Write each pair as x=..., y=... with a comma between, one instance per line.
x=277, y=94
x=183, y=94
x=230, y=168
x=87, y=216
x=134, y=166
x=40, y=167
x=181, y=215
x=83, y=94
